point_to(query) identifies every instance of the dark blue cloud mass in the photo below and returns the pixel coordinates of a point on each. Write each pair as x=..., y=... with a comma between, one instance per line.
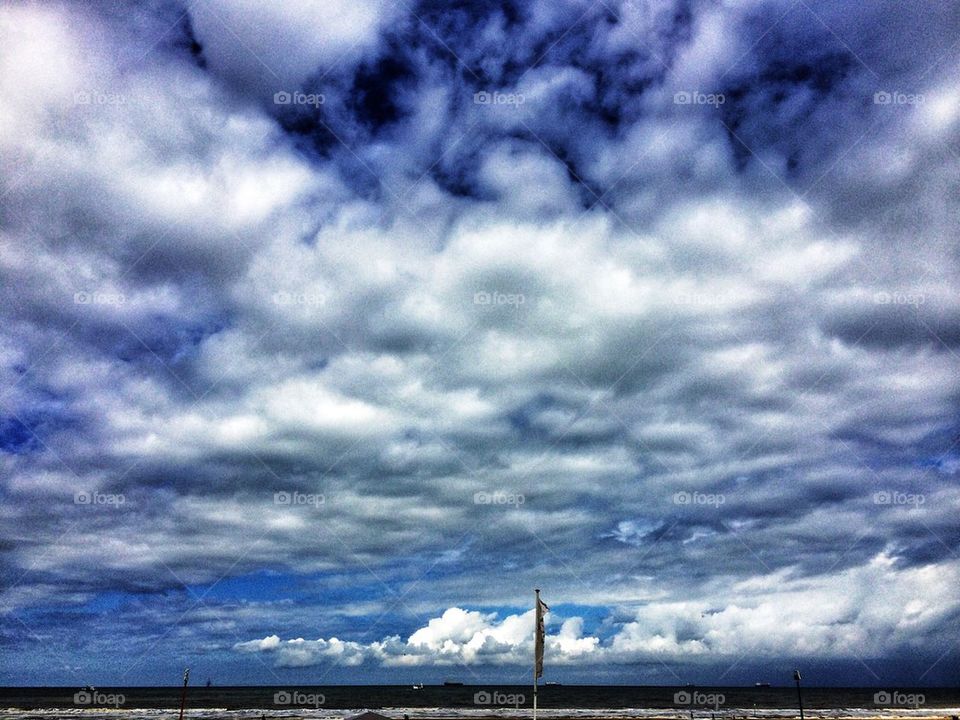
x=330, y=330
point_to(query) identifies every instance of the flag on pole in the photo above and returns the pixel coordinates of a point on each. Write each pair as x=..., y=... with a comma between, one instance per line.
x=538, y=643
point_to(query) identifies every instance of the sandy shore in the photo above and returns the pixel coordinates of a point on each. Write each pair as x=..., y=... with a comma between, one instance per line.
x=484, y=714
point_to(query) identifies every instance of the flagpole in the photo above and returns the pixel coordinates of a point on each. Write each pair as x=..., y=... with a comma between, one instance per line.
x=536, y=630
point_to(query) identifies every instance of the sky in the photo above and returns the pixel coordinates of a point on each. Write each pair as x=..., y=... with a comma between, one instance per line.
x=330, y=330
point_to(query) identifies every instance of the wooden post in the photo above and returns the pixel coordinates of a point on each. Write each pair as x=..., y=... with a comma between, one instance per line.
x=183, y=694
x=536, y=631
x=796, y=678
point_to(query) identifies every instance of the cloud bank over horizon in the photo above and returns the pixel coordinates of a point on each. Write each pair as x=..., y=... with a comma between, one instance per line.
x=776, y=618
x=330, y=330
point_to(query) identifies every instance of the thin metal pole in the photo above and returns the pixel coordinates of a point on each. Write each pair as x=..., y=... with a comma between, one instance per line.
x=534, y=694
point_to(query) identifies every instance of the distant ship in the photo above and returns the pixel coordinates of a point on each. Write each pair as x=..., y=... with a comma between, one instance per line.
x=761, y=685
x=418, y=686
x=452, y=683
x=551, y=682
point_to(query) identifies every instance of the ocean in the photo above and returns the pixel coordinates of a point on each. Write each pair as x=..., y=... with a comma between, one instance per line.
x=475, y=701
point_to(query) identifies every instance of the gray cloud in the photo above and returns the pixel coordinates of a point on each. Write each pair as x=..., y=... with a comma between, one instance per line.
x=688, y=363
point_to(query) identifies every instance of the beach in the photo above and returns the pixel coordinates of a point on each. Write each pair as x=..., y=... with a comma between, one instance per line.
x=469, y=714
x=479, y=702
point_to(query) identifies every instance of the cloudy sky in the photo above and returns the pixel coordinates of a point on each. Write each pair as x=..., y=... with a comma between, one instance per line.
x=329, y=330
